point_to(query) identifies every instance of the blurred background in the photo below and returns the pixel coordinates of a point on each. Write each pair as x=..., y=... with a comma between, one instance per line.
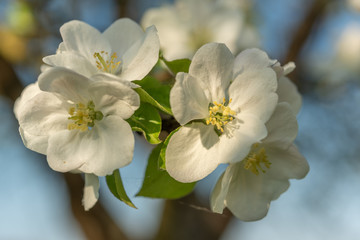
x=321, y=36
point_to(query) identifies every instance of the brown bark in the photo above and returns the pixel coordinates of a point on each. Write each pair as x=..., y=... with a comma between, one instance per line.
x=184, y=219
x=10, y=85
x=96, y=223
x=313, y=15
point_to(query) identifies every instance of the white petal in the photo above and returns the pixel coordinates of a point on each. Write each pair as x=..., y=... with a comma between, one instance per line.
x=141, y=57
x=212, y=66
x=251, y=59
x=249, y=195
x=288, y=92
x=114, y=98
x=286, y=164
x=83, y=39
x=61, y=48
x=288, y=68
x=72, y=61
x=218, y=196
x=43, y=115
x=187, y=99
x=107, y=146
x=91, y=191
x=192, y=153
x=29, y=92
x=122, y=34
x=238, y=137
x=66, y=83
x=282, y=127
x=173, y=34
x=253, y=91
x=34, y=142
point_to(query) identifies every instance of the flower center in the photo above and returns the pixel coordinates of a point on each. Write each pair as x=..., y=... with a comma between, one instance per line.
x=220, y=114
x=256, y=157
x=107, y=63
x=83, y=116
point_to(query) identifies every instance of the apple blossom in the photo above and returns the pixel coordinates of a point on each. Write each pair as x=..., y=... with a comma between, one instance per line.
x=123, y=49
x=188, y=24
x=222, y=104
x=248, y=187
x=348, y=47
x=78, y=123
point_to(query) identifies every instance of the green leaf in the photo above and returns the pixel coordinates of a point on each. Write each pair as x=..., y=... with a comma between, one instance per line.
x=157, y=90
x=148, y=121
x=178, y=65
x=163, y=150
x=161, y=100
x=159, y=184
x=116, y=186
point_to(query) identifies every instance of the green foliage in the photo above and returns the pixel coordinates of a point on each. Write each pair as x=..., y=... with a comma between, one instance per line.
x=158, y=183
x=178, y=65
x=154, y=93
x=116, y=186
x=163, y=150
x=159, y=91
x=148, y=121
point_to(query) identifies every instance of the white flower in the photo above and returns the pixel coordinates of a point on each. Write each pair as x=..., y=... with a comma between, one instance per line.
x=123, y=49
x=79, y=124
x=248, y=187
x=188, y=24
x=348, y=47
x=354, y=4
x=230, y=100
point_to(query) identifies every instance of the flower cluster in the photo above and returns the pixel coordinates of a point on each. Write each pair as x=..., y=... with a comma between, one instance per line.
x=240, y=111
x=235, y=110
x=75, y=113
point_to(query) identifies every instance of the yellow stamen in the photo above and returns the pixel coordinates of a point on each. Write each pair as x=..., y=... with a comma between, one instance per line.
x=105, y=64
x=83, y=116
x=220, y=114
x=255, y=158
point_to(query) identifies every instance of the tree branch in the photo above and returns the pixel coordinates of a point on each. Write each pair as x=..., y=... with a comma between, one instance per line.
x=184, y=219
x=314, y=14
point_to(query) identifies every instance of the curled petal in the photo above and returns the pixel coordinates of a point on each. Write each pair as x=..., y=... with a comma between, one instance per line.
x=114, y=98
x=187, y=99
x=66, y=83
x=91, y=191
x=218, y=196
x=73, y=61
x=141, y=57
